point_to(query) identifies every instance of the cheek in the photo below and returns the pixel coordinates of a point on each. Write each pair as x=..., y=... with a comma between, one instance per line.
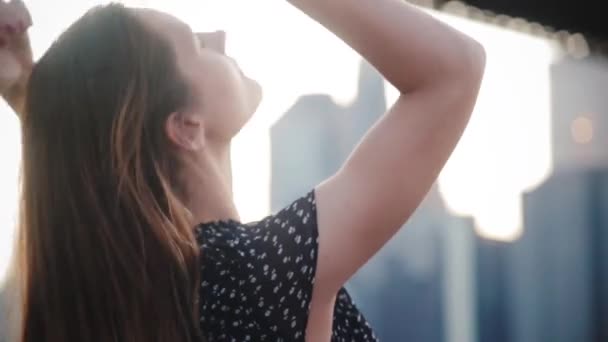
x=225, y=93
x=255, y=93
x=225, y=101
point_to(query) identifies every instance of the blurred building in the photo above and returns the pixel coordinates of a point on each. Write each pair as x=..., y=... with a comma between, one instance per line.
x=493, y=286
x=401, y=289
x=307, y=146
x=314, y=137
x=558, y=270
x=559, y=266
x=552, y=283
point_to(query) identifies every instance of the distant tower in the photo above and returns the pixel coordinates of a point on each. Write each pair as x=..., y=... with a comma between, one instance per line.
x=306, y=147
x=369, y=105
x=558, y=270
x=314, y=137
x=558, y=267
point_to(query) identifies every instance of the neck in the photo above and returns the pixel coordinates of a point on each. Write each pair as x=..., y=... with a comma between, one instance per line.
x=210, y=195
x=223, y=161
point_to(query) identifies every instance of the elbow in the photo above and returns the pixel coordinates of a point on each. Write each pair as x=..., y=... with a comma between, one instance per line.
x=467, y=69
x=460, y=66
x=461, y=73
x=476, y=61
x=463, y=81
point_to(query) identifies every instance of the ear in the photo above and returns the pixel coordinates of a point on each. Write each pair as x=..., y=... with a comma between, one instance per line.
x=185, y=131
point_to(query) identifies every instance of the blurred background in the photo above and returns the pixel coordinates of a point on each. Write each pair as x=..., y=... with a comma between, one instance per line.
x=508, y=245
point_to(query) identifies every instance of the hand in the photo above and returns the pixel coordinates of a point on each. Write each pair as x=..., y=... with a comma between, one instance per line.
x=15, y=52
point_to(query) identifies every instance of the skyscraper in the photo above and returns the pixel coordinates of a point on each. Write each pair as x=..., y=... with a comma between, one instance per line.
x=556, y=276
x=314, y=137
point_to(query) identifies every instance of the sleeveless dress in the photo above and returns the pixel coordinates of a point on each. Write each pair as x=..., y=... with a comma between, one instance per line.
x=257, y=279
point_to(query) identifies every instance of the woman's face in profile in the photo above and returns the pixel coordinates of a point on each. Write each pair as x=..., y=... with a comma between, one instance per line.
x=222, y=94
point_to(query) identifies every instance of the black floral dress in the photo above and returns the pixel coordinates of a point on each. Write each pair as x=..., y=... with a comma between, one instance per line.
x=257, y=279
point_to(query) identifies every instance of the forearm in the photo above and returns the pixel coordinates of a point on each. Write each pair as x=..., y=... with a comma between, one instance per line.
x=408, y=47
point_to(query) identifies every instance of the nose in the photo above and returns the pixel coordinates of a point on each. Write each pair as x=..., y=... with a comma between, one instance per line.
x=214, y=40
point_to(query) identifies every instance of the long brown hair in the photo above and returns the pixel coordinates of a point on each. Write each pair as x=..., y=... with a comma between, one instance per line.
x=106, y=248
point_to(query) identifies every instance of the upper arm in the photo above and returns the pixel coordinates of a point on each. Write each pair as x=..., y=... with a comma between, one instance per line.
x=387, y=176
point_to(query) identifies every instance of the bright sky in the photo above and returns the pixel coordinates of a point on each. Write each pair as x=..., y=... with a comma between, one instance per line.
x=505, y=150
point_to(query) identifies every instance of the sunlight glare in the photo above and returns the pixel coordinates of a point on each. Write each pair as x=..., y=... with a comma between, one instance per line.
x=504, y=152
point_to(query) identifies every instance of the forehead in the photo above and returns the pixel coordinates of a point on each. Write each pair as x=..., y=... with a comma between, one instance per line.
x=178, y=32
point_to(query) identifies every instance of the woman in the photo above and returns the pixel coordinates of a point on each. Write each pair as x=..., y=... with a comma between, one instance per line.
x=128, y=229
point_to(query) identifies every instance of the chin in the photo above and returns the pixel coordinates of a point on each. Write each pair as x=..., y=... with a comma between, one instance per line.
x=255, y=94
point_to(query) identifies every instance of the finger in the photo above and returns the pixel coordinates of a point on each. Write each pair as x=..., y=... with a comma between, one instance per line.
x=23, y=15
x=14, y=17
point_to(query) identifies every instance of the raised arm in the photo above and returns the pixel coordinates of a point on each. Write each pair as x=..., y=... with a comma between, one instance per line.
x=438, y=71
